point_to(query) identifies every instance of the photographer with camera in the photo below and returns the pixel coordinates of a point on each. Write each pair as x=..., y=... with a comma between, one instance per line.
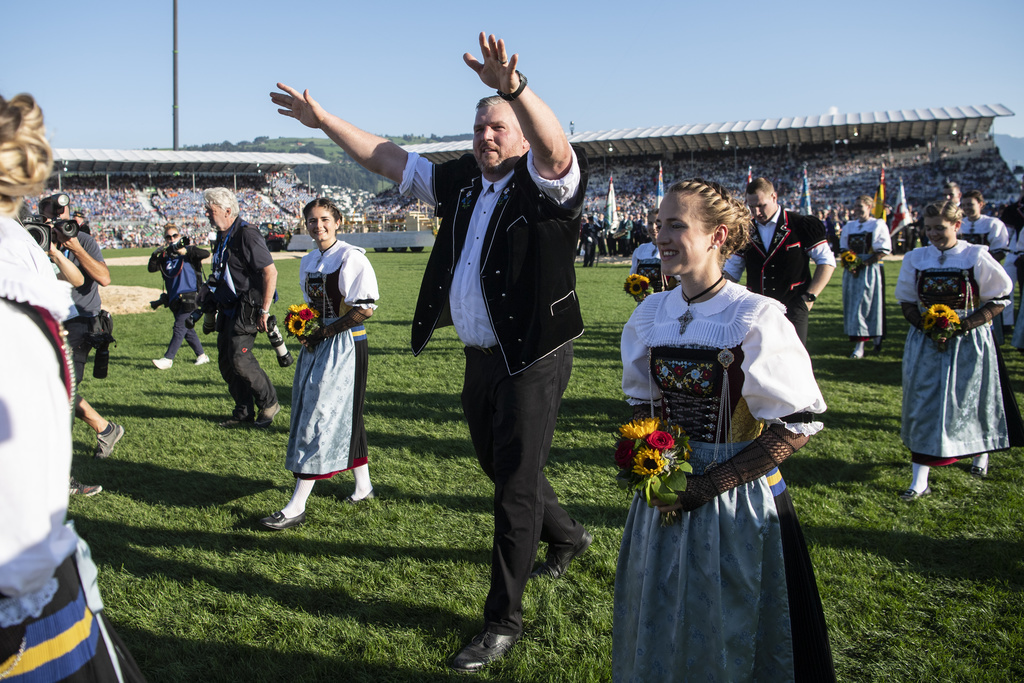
x=89, y=326
x=243, y=287
x=180, y=263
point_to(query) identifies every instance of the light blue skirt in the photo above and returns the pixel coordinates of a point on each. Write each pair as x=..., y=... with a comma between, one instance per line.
x=323, y=401
x=706, y=598
x=952, y=400
x=864, y=302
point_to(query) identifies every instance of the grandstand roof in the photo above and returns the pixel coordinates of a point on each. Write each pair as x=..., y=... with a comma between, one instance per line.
x=873, y=126
x=166, y=161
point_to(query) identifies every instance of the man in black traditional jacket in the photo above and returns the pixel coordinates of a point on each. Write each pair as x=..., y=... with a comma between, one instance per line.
x=777, y=259
x=501, y=270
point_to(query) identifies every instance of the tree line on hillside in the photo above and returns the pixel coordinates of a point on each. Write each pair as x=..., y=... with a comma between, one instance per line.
x=341, y=172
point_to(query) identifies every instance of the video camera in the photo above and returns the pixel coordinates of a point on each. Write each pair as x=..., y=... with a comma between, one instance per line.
x=45, y=227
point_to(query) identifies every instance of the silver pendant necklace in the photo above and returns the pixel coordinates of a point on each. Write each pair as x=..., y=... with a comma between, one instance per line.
x=687, y=317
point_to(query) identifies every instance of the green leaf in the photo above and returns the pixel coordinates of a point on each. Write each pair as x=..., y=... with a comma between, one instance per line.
x=676, y=480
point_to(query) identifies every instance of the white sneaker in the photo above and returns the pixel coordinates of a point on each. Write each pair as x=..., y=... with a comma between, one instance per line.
x=202, y=360
x=163, y=363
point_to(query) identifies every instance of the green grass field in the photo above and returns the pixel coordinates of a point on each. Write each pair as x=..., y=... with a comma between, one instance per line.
x=386, y=591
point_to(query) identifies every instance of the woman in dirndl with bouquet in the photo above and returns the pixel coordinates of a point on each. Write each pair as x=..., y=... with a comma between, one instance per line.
x=726, y=591
x=327, y=435
x=956, y=399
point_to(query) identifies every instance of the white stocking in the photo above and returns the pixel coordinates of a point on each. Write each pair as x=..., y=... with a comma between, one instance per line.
x=920, y=480
x=297, y=505
x=363, y=485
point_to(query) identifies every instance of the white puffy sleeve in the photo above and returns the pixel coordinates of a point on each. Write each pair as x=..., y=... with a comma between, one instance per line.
x=880, y=239
x=906, y=283
x=778, y=378
x=993, y=282
x=637, y=383
x=358, y=281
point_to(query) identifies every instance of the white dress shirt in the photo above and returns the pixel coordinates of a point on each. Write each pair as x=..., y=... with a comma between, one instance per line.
x=466, y=298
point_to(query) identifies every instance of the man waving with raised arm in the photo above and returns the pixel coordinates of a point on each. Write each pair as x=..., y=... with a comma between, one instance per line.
x=501, y=270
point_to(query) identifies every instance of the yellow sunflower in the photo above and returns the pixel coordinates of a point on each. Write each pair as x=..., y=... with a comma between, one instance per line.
x=639, y=429
x=849, y=256
x=295, y=308
x=636, y=284
x=943, y=311
x=648, y=461
x=296, y=325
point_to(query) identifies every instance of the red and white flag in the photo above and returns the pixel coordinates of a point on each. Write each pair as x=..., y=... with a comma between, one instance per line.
x=901, y=216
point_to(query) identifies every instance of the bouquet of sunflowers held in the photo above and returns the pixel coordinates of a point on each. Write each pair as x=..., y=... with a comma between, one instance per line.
x=301, y=320
x=851, y=262
x=652, y=458
x=940, y=324
x=638, y=287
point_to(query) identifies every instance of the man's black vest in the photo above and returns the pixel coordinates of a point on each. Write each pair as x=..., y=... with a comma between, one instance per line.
x=527, y=270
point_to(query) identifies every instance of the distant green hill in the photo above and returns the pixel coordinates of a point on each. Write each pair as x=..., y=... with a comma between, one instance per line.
x=341, y=172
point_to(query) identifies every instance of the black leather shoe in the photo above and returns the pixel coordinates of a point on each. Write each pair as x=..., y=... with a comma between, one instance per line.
x=482, y=650
x=354, y=501
x=558, y=561
x=911, y=494
x=278, y=521
x=233, y=422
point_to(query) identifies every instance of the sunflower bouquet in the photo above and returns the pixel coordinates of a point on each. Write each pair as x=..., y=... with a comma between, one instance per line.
x=638, y=287
x=652, y=458
x=940, y=323
x=851, y=262
x=301, y=320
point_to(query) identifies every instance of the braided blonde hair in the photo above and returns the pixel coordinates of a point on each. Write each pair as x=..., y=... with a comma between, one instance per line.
x=26, y=159
x=946, y=210
x=718, y=207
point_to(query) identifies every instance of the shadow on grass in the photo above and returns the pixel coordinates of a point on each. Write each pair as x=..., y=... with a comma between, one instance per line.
x=129, y=545
x=166, y=658
x=158, y=485
x=988, y=560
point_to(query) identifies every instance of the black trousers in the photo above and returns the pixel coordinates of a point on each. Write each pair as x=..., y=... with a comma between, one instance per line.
x=247, y=382
x=511, y=422
x=796, y=313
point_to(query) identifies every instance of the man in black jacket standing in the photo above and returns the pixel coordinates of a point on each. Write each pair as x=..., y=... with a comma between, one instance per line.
x=501, y=270
x=245, y=284
x=777, y=259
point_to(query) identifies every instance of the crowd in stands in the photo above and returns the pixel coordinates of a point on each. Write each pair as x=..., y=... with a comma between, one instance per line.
x=127, y=210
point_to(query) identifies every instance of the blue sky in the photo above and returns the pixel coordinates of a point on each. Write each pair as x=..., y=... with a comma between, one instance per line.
x=103, y=73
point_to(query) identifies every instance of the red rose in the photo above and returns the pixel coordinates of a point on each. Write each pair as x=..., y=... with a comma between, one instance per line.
x=624, y=454
x=662, y=441
x=306, y=314
x=942, y=323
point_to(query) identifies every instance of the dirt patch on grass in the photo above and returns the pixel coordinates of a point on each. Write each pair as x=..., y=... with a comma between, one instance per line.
x=128, y=299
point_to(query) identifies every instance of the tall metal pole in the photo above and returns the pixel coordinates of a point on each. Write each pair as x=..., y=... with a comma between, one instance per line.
x=175, y=75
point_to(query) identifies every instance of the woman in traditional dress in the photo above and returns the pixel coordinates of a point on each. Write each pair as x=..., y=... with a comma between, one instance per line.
x=327, y=435
x=953, y=396
x=727, y=592
x=647, y=262
x=52, y=623
x=864, y=287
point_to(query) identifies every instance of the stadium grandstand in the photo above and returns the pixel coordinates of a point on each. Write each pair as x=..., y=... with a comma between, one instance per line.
x=129, y=195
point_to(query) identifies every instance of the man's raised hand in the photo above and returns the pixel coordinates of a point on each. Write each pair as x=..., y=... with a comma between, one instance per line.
x=299, y=106
x=497, y=71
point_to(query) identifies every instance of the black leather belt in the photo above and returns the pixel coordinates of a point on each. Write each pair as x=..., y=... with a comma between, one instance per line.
x=488, y=350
